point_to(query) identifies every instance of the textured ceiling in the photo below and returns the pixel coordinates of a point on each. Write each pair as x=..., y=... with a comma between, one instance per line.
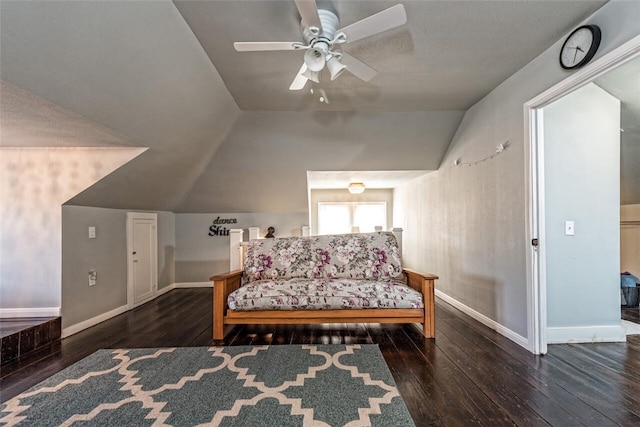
x=448, y=55
x=29, y=121
x=225, y=133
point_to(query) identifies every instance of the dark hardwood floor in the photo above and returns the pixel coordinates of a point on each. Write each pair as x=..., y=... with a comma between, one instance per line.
x=632, y=314
x=468, y=375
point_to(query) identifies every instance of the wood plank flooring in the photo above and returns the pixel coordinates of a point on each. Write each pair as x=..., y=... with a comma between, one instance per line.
x=468, y=375
x=632, y=314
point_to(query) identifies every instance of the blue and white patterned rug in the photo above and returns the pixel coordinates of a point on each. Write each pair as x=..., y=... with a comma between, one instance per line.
x=287, y=385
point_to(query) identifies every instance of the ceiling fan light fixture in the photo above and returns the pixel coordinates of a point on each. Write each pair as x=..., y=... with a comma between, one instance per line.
x=335, y=67
x=321, y=32
x=356, y=188
x=314, y=76
x=314, y=58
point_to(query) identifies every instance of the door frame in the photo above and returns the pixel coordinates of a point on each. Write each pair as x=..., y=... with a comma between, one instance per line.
x=534, y=151
x=131, y=216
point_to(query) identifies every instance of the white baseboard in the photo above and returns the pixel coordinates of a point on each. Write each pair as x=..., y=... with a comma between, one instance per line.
x=74, y=329
x=630, y=327
x=586, y=334
x=184, y=285
x=12, y=313
x=502, y=330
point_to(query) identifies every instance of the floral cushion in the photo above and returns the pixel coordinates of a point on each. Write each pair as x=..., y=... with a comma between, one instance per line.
x=358, y=256
x=323, y=294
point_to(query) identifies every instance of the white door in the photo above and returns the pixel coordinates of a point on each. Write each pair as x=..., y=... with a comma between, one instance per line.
x=142, y=257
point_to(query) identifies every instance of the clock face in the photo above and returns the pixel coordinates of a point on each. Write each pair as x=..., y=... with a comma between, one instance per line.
x=580, y=47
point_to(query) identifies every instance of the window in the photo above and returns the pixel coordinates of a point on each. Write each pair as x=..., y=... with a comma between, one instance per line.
x=339, y=218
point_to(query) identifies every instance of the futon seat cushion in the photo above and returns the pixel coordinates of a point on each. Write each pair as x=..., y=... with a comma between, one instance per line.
x=324, y=294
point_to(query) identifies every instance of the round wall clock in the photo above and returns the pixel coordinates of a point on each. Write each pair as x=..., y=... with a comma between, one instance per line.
x=580, y=47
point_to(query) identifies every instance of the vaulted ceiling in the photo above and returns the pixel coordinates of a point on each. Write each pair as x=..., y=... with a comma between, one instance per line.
x=225, y=133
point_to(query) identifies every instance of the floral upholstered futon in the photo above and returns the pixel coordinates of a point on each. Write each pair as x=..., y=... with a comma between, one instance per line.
x=324, y=272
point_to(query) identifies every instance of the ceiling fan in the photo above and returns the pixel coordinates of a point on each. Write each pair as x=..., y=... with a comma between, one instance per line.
x=321, y=35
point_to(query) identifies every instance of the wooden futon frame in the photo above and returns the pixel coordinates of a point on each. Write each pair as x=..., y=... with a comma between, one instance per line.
x=224, y=284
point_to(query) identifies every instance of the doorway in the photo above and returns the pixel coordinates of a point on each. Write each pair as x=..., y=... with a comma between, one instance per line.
x=537, y=226
x=142, y=258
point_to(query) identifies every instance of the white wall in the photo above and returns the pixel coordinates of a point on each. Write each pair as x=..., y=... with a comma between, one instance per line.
x=582, y=184
x=468, y=223
x=199, y=255
x=34, y=183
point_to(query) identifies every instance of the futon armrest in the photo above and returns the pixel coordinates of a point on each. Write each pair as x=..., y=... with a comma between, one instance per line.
x=421, y=282
x=418, y=275
x=425, y=284
x=229, y=275
x=223, y=285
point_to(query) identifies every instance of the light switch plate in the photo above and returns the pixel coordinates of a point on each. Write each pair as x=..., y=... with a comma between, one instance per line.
x=92, y=232
x=569, y=228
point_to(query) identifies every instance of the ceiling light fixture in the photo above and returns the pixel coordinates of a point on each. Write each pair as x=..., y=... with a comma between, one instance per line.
x=314, y=76
x=315, y=58
x=356, y=188
x=335, y=67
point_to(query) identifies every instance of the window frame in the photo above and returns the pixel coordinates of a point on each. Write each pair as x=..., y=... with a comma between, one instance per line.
x=352, y=213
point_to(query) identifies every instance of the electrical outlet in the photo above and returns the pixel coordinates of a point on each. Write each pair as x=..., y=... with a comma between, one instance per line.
x=93, y=277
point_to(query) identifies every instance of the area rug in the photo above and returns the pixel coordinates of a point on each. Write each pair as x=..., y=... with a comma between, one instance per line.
x=280, y=385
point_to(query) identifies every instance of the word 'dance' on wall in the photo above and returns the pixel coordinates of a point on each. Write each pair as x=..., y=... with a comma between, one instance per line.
x=218, y=228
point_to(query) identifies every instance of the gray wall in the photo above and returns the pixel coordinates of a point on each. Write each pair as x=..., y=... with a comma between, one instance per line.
x=467, y=223
x=107, y=253
x=200, y=256
x=186, y=253
x=582, y=175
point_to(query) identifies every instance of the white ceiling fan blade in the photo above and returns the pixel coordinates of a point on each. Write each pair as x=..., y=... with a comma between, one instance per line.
x=309, y=13
x=357, y=67
x=381, y=21
x=256, y=46
x=300, y=80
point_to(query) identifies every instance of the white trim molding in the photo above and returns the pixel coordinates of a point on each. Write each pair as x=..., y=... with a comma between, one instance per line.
x=586, y=334
x=74, y=329
x=540, y=334
x=502, y=330
x=14, y=313
x=184, y=285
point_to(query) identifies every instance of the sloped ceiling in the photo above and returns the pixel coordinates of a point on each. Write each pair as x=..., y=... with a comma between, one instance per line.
x=225, y=134
x=264, y=161
x=448, y=55
x=133, y=67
